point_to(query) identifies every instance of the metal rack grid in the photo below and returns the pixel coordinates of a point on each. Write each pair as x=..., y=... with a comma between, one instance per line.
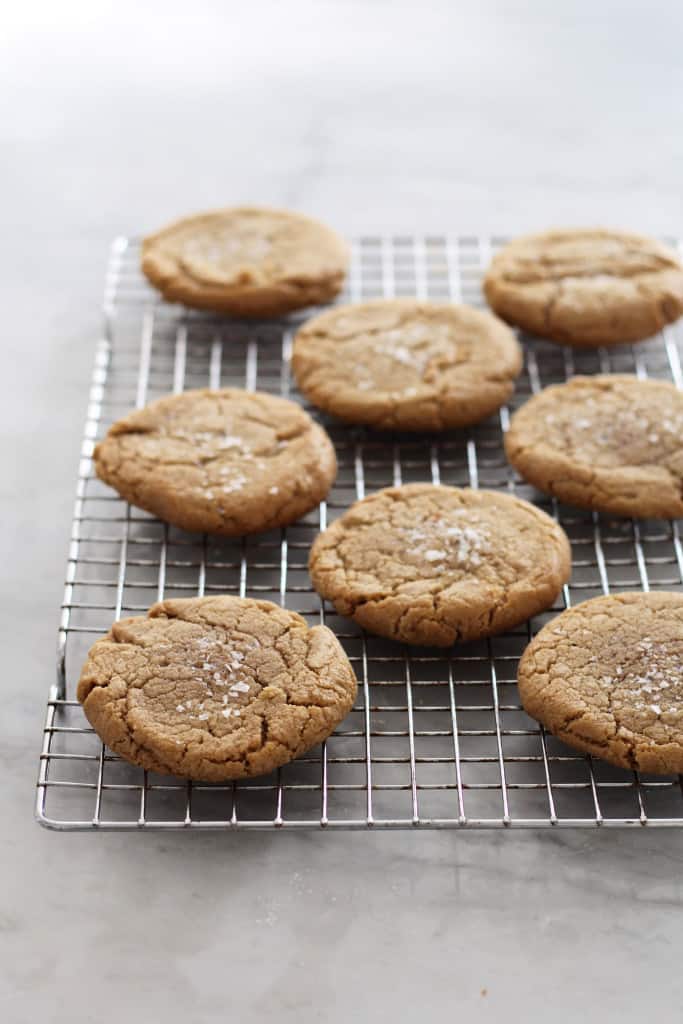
x=437, y=738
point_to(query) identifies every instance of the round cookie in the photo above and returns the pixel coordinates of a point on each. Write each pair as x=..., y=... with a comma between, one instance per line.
x=246, y=261
x=607, y=678
x=613, y=443
x=401, y=364
x=215, y=688
x=437, y=565
x=586, y=286
x=228, y=461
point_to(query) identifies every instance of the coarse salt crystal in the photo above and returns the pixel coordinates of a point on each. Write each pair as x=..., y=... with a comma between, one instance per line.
x=235, y=485
x=403, y=355
x=434, y=556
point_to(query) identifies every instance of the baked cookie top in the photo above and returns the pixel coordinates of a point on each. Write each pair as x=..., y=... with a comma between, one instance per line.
x=407, y=365
x=227, y=461
x=611, y=442
x=607, y=678
x=215, y=688
x=436, y=565
x=586, y=286
x=246, y=261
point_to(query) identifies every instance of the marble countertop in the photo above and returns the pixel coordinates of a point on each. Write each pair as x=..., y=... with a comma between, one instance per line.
x=377, y=116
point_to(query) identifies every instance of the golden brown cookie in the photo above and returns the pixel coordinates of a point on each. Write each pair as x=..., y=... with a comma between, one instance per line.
x=586, y=286
x=215, y=688
x=401, y=364
x=229, y=461
x=613, y=443
x=246, y=261
x=437, y=565
x=607, y=678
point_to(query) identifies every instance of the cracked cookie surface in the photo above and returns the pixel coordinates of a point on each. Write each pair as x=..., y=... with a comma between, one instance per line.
x=606, y=677
x=246, y=261
x=586, y=287
x=435, y=565
x=215, y=688
x=401, y=364
x=227, y=461
x=608, y=442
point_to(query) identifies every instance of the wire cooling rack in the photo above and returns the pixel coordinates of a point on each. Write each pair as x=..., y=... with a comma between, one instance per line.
x=437, y=738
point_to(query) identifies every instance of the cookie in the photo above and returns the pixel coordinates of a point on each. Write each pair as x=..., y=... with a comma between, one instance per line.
x=437, y=565
x=613, y=443
x=228, y=461
x=215, y=688
x=586, y=286
x=401, y=364
x=606, y=677
x=246, y=261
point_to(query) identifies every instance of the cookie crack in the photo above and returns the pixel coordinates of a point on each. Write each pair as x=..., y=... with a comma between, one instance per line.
x=651, y=264
x=551, y=303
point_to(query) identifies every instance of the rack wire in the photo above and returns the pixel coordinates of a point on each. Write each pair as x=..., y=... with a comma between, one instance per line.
x=437, y=738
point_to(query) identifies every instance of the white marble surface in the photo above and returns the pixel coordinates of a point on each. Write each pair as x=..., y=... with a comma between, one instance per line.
x=377, y=116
